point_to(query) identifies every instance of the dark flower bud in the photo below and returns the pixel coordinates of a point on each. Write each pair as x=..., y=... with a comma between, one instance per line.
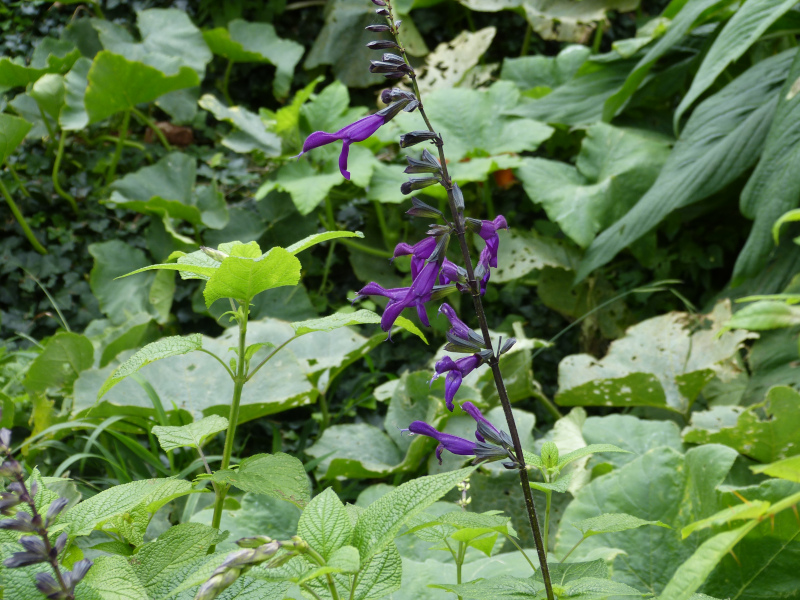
x=457, y=344
x=440, y=250
x=417, y=183
x=386, y=96
x=411, y=106
x=390, y=111
x=55, y=509
x=458, y=198
x=378, y=28
x=22, y=521
x=5, y=437
x=421, y=209
x=8, y=500
x=60, y=544
x=398, y=75
x=415, y=137
x=377, y=66
x=79, y=570
x=442, y=291
x=23, y=559
x=33, y=543
x=418, y=166
x=253, y=542
x=398, y=60
x=381, y=12
x=488, y=452
x=48, y=586
x=379, y=2
x=438, y=230
x=507, y=345
x=11, y=469
x=382, y=44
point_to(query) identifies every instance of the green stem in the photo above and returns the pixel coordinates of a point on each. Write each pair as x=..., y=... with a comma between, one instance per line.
x=21, y=220
x=598, y=38
x=233, y=417
x=526, y=41
x=225, y=81
x=21, y=185
x=487, y=199
x=548, y=404
x=547, y=499
x=388, y=236
x=266, y=360
x=123, y=132
x=326, y=416
x=353, y=586
x=571, y=550
x=224, y=366
x=47, y=125
x=145, y=120
x=56, y=167
x=327, y=268
x=518, y=547
x=365, y=249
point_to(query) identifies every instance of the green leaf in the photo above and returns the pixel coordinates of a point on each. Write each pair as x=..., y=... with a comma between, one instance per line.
x=307, y=186
x=788, y=468
x=117, y=84
x=612, y=522
x=380, y=522
x=766, y=314
x=62, y=360
x=586, y=451
x=662, y=361
x=119, y=503
x=73, y=114
x=593, y=587
x=774, y=185
x=50, y=56
x=110, y=578
x=49, y=91
x=163, y=348
x=751, y=510
x=243, y=278
x=159, y=564
x=741, y=31
x=277, y=475
x=119, y=300
x=722, y=139
x=12, y=131
x=318, y=238
x=325, y=525
x=250, y=134
x=772, y=437
x=504, y=587
x=356, y=451
x=615, y=167
x=348, y=319
x=257, y=42
x=547, y=72
x=257, y=515
x=694, y=571
x=522, y=252
x=167, y=189
x=692, y=14
x=560, y=485
x=345, y=559
x=193, y=435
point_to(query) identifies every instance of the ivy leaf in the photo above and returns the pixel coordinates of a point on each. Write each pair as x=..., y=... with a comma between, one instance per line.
x=163, y=348
x=50, y=56
x=73, y=114
x=193, y=435
x=250, y=132
x=277, y=475
x=257, y=42
x=560, y=485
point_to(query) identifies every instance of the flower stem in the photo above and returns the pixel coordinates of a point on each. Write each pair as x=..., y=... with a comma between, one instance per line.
x=56, y=167
x=494, y=363
x=123, y=133
x=21, y=220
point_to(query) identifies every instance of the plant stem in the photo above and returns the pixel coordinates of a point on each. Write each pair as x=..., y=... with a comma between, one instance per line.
x=21, y=220
x=56, y=166
x=518, y=547
x=388, y=236
x=21, y=185
x=233, y=417
x=225, y=81
x=526, y=41
x=571, y=550
x=548, y=496
x=494, y=363
x=152, y=125
x=123, y=132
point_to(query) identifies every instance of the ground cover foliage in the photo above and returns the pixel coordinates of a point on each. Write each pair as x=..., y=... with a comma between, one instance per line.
x=643, y=155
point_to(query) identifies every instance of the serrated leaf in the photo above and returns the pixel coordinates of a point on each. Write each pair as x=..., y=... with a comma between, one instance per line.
x=243, y=278
x=193, y=435
x=504, y=587
x=588, y=588
x=110, y=578
x=611, y=522
x=324, y=524
x=163, y=348
x=345, y=559
x=560, y=485
x=380, y=522
x=278, y=475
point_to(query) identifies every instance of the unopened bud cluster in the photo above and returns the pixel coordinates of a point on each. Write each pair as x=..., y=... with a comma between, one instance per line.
x=18, y=502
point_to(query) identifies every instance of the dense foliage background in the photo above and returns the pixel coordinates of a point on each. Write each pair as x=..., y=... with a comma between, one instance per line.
x=640, y=151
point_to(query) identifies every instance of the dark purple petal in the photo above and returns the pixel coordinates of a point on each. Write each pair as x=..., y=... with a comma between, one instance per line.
x=390, y=314
x=451, y=443
x=343, y=160
x=451, y=385
x=457, y=326
x=317, y=139
x=474, y=412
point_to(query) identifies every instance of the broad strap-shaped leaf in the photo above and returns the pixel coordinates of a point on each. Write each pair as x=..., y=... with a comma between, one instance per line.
x=117, y=84
x=722, y=139
x=345, y=319
x=318, y=238
x=693, y=573
x=765, y=315
x=193, y=435
x=12, y=131
x=788, y=468
x=324, y=524
x=610, y=522
x=277, y=475
x=690, y=15
x=774, y=186
x=753, y=509
x=242, y=278
x=741, y=31
x=163, y=348
x=380, y=522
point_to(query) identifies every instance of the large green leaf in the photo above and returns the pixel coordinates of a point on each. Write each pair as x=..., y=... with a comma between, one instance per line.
x=722, y=139
x=522, y=252
x=73, y=114
x=774, y=186
x=664, y=361
x=615, y=167
x=62, y=360
x=660, y=485
x=324, y=524
x=119, y=299
x=167, y=189
x=257, y=42
x=277, y=475
x=256, y=515
x=193, y=435
x=740, y=32
x=692, y=13
x=545, y=73
x=117, y=84
x=767, y=439
x=12, y=131
x=50, y=56
x=250, y=134
x=111, y=578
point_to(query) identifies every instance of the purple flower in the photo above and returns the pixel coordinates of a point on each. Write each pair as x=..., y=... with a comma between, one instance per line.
x=420, y=253
x=452, y=443
x=355, y=132
x=456, y=371
x=488, y=231
x=457, y=326
x=399, y=298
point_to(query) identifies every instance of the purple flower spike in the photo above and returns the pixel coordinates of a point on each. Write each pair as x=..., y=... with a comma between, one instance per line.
x=457, y=326
x=456, y=371
x=451, y=443
x=420, y=252
x=488, y=231
x=475, y=413
x=355, y=132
